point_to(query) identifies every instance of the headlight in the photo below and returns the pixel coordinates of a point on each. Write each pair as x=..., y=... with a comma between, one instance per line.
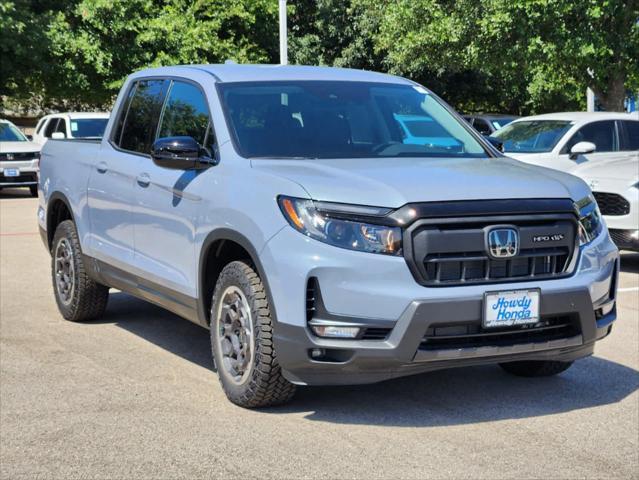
x=328, y=227
x=590, y=223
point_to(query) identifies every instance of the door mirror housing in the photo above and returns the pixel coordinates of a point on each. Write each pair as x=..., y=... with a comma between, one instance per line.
x=495, y=142
x=58, y=136
x=30, y=138
x=581, y=148
x=180, y=153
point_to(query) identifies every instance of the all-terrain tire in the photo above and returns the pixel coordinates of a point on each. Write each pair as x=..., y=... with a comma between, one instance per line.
x=264, y=385
x=537, y=368
x=88, y=299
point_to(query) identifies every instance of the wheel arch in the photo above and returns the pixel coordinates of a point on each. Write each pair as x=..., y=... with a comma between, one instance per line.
x=219, y=248
x=58, y=210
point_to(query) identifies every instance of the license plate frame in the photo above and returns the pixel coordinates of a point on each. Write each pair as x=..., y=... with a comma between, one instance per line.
x=515, y=319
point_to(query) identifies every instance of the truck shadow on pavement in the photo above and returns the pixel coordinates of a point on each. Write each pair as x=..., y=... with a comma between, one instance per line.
x=446, y=397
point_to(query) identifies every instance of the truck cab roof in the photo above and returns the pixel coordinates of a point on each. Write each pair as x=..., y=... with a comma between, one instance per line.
x=230, y=72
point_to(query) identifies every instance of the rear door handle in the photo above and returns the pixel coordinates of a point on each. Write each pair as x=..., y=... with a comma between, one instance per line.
x=144, y=180
x=102, y=167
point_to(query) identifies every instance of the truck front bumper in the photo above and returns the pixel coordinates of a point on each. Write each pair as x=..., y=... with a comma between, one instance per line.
x=378, y=291
x=311, y=360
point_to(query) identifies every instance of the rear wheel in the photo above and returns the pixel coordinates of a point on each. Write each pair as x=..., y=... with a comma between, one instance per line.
x=242, y=340
x=33, y=189
x=538, y=368
x=78, y=297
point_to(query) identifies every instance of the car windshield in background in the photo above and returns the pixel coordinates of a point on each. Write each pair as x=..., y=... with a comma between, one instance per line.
x=532, y=136
x=333, y=119
x=502, y=122
x=9, y=133
x=88, y=127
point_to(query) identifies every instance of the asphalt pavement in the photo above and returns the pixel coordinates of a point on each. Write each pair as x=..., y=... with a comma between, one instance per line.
x=133, y=395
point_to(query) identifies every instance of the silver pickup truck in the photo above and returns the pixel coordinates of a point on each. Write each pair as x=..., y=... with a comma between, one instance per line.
x=328, y=226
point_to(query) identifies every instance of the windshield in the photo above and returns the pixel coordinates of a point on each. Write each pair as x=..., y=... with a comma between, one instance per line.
x=328, y=119
x=532, y=136
x=9, y=133
x=88, y=127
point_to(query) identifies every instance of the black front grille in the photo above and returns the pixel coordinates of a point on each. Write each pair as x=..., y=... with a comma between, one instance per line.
x=473, y=335
x=455, y=252
x=18, y=157
x=612, y=203
x=478, y=267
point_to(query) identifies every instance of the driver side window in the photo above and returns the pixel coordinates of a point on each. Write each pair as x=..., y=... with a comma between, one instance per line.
x=186, y=114
x=602, y=134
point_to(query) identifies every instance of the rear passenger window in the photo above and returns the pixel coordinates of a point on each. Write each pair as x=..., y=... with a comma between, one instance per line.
x=141, y=119
x=186, y=114
x=631, y=135
x=117, y=135
x=602, y=134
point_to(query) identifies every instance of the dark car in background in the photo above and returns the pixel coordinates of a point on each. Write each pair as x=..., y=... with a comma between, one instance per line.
x=487, y=124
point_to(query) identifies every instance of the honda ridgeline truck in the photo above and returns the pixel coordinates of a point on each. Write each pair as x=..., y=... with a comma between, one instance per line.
x=283, y=208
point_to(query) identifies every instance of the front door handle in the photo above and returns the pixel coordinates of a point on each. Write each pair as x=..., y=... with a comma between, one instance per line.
x=102, y=167
x=144, y=180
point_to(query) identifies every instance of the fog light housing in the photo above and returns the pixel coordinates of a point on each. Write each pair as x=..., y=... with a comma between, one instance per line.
x=335, y=331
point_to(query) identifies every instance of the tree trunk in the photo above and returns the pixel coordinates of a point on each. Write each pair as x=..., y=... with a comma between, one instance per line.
x=612, y=97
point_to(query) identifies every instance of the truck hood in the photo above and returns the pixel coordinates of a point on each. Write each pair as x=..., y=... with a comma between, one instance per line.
x=393, y=182
x=19, y=147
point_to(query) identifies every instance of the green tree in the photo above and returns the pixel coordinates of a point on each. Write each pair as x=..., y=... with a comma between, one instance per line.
x=537, y=54
x=79, y=54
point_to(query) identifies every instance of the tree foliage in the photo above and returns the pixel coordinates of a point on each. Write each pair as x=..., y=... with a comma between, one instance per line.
x=518, y=56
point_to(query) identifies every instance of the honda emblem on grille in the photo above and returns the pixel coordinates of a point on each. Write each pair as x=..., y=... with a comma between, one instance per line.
x=9, y=156
x=502, y=242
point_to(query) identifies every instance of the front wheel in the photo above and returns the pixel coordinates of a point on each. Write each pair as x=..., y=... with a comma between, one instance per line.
x=242, y=340
x=538, y=368
x=78, y=297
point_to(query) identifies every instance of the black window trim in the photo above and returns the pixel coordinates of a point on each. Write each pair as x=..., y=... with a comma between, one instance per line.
x=134, y=84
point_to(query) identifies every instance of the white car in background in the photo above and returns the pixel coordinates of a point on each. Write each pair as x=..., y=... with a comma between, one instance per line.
x=602, y=148
x=564, y=141
x=615, y=185
x=87, y=125
x=19, y=159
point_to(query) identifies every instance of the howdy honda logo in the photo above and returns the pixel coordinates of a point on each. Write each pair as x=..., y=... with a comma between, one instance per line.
x=502, y=242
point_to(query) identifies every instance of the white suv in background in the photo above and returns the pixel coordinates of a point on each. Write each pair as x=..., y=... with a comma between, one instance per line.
x=602, y=148
x=564, y=141
x=71, y=125
x=19, y=158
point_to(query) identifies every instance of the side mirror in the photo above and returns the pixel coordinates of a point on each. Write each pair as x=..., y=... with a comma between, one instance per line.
x=58, y=136
x=495, y=142
x=581, y=148
x=30, y=138
x=180, y=153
